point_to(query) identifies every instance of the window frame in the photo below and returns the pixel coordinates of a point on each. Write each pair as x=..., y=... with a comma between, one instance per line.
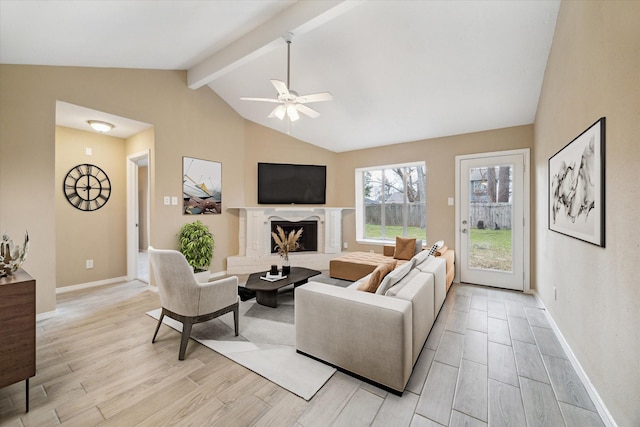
x=360, y=205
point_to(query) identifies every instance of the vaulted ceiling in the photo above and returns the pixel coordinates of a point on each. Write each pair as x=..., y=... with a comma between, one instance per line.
x=398, y=70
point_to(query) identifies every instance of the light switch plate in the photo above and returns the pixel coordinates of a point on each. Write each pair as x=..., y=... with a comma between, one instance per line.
x=174, y=201
x=450, y=201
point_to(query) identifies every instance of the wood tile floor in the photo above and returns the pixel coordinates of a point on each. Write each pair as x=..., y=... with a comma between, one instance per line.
x=491, y=359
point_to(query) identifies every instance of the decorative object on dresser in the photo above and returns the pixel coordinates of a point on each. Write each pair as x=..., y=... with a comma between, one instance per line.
x=17, y=329
x=11, y=255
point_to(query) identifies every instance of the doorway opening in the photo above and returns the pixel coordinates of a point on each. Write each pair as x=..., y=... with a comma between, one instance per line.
x=138, y=216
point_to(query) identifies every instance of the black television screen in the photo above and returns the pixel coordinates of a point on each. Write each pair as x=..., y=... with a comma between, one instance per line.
x=280, y=183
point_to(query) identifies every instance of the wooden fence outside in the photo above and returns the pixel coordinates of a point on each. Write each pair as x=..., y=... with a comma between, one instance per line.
x=496, y=216
x=417, y=214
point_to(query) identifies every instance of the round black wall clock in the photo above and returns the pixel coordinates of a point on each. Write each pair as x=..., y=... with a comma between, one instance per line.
x=87, y=187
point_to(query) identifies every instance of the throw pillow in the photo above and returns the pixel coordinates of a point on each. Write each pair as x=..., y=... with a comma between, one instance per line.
x=376, y=277
x=395, y=276
x=405, y=248
x=441, y=251
x=418, y=246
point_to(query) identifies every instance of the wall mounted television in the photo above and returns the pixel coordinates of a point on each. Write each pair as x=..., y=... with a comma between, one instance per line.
x=281, y=183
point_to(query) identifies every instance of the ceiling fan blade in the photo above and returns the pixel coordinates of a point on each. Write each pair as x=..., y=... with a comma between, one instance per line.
x=259, y=99
x=314, y=97
x=278, y=112
x=308, y=111
x=281, y=87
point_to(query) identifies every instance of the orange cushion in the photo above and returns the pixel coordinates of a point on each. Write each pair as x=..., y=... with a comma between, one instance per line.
x=376, y=277
x=405, y=248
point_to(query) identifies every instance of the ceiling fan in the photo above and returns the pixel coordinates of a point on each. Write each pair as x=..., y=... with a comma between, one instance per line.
x=290, y=102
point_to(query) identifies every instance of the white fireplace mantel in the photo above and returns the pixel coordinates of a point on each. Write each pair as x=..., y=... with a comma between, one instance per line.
x=255, y=235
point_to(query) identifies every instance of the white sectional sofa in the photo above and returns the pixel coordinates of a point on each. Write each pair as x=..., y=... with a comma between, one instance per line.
x=375, y=336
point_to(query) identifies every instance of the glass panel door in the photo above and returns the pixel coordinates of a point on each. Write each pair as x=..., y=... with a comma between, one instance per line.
x=492, y=221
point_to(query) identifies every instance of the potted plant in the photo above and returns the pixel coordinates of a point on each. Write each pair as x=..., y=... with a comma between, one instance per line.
x=197, y=245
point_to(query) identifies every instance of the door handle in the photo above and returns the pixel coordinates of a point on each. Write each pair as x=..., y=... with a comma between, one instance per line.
x=464, y=230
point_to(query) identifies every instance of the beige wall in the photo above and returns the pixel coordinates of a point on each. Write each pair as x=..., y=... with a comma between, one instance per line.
x=98, y=235
x=593, y=71
x=439, y=155
x=186, y=123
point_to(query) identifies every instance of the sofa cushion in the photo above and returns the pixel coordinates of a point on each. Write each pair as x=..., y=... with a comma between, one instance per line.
x=395, y=289
x=394, y=277
x=376, y=277
x=420, y=257
x=418, y=246
x=405, y=248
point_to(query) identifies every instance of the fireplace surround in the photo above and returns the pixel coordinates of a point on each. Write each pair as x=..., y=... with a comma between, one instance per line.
x=255, y=242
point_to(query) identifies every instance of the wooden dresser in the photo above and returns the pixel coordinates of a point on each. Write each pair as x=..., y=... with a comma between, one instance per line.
x=17, y=329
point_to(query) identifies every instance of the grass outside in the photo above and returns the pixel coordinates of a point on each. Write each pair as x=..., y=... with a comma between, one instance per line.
x=490, y=249
x=373, y=231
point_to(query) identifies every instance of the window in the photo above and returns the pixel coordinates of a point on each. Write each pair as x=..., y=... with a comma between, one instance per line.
x=390, y=202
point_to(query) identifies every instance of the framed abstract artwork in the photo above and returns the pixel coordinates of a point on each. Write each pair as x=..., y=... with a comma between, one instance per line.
x=201, y=186
x=576, y=187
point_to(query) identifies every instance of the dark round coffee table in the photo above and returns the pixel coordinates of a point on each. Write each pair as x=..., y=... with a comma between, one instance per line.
x=267, y=292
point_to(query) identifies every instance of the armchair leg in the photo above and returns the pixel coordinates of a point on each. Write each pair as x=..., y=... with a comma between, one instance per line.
x=236, y=316
x=158, y=327
x=186, y=333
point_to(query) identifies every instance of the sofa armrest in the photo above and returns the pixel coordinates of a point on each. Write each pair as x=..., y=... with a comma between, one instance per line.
x=369, y=335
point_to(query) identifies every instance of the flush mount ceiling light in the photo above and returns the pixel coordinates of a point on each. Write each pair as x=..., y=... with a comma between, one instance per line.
x=99, y=126
x=290, y=102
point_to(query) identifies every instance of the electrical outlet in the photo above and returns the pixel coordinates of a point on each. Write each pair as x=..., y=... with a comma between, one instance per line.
x=345, y=245
x=450, y=201
x=89, y=263
x=88, y=151
x=167, y=200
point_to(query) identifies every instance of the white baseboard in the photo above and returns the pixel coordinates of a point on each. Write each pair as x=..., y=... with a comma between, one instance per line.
x=604, y=413
x=72, y=288
x=46, y=315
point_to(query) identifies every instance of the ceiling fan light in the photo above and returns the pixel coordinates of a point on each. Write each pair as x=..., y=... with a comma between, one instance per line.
x=99, y=126
x=292, y=112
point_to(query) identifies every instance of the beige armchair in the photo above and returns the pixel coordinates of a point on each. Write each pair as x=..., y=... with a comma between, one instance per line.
x=187, y=301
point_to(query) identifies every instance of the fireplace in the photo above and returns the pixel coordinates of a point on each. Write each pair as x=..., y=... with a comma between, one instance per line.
x=308, y=240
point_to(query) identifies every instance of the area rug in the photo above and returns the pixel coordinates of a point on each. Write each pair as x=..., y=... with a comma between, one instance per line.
x=265, y=345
